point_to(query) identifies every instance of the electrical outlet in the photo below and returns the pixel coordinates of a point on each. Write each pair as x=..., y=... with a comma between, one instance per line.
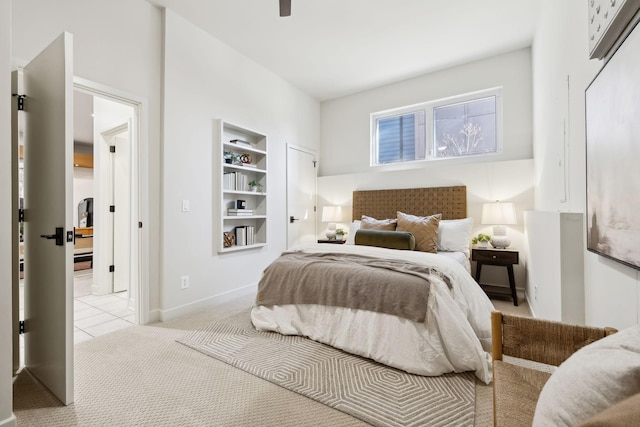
x=184, y=282
x=535, y=292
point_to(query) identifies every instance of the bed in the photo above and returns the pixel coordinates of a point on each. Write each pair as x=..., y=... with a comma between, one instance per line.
x=448, y=330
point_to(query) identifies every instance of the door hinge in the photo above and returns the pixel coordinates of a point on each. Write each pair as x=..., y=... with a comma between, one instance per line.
x=315, y=163
x=20, y=101
x=112, y=208
x=21, y=327
x=20, y=215
x=112, y=268
x=139, y=224
x=314, y=209
x=112, y=148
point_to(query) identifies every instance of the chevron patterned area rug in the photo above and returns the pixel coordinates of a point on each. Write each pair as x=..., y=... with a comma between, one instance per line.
x=360, y=387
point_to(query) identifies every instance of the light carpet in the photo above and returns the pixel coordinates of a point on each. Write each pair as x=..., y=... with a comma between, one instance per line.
x=367, y=390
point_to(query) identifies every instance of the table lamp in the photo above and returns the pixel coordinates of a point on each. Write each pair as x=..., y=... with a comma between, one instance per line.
x=331, y=214
x=499, y=214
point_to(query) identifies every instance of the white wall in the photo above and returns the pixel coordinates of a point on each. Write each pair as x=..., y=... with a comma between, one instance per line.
x=6, y=331
x=204, y=79
x=345, y=145
x=560, y=49
x=106, y=36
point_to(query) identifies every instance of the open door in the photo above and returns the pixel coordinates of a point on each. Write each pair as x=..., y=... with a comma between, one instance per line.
x=301, y=197
x=48, y=229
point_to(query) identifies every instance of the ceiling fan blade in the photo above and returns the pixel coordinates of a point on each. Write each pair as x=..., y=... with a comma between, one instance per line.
x=285, y=7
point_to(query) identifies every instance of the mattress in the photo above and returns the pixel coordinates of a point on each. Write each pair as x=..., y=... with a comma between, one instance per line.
x=455, y=337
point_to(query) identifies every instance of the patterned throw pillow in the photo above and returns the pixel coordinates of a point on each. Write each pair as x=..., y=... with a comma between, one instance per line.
x=370, y=223
x=423, y=228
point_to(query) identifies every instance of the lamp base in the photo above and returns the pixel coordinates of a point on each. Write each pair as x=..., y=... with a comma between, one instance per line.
x=500, y=242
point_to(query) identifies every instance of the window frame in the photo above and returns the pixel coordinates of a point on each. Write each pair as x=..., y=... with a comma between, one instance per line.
x=428, y=108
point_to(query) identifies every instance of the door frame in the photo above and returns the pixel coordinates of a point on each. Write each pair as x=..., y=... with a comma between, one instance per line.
x=139, y=186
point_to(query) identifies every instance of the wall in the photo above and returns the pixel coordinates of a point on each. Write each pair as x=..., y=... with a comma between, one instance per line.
x=6, y=331
x=204, y=79
x=100, y=49
x=561, y=73
x=345, y=145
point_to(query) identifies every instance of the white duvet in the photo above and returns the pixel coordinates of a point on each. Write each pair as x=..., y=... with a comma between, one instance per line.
x=451, y=339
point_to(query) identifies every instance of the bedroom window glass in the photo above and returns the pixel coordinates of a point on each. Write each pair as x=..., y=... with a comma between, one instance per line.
x=465, y=128
x=461, y=126
x=400, y=137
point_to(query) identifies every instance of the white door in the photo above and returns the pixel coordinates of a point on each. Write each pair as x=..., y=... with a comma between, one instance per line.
x=48, y=203
x=301, y=196
x=121, y=196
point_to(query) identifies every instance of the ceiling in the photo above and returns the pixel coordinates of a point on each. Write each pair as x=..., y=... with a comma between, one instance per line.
x=332, y=48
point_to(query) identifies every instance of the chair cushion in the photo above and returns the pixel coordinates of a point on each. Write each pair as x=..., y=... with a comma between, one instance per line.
x=594, y=378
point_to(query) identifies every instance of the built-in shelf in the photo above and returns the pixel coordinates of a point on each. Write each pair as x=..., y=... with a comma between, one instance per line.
x=239, y=164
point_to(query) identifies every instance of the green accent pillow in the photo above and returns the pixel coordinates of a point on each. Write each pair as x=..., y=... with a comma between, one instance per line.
x=386, y=239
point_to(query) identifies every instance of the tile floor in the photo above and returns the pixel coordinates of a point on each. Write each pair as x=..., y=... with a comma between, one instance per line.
x=96, y=315
x=93, y=315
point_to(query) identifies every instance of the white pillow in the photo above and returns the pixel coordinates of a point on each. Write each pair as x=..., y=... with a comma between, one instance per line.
x=594, y=378
x=454, y=235
x=351, y=237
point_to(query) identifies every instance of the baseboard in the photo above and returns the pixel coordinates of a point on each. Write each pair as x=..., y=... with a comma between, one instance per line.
x=9, y=422
x=216, y=300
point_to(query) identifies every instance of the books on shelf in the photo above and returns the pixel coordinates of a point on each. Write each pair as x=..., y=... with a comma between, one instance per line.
x=235, y=181
x=245, y=235
x=239, y=212
x=240, y=142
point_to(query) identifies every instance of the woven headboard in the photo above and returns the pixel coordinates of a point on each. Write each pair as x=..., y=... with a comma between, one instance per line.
x=451, y=202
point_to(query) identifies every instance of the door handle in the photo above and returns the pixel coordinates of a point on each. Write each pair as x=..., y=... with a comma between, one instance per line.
x=292, y=219
x=59, y=236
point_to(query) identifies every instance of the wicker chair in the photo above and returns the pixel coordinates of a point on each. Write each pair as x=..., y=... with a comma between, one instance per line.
x=515, y=387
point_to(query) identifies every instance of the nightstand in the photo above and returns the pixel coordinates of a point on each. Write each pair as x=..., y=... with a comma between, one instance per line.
x=335, y=241
x=500, y=257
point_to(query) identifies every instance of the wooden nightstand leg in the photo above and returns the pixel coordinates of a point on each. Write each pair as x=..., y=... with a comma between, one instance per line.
x=512, y=284
x=478, y=270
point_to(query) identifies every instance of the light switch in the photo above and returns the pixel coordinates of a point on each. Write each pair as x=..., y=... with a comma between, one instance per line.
x=185, y=206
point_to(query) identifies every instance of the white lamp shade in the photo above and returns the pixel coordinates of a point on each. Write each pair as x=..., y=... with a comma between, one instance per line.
x=498, y=213
x=332, y=214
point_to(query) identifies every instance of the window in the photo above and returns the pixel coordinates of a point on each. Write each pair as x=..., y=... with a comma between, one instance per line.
x=462, y=126
x=401, y=138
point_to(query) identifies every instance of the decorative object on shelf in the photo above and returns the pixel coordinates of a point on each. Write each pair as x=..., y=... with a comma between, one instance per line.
x=499, y=214
x=229, y=156
x=331, y=214
x=229, y=239
x=255, y=186
x=481, y=240
x=608, y=21
x=245, y=158
x=241, y=142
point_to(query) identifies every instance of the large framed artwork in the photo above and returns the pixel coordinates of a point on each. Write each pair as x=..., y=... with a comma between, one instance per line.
x=613, y=156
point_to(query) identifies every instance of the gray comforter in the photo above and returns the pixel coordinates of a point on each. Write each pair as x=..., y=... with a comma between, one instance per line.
x=396, y=287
